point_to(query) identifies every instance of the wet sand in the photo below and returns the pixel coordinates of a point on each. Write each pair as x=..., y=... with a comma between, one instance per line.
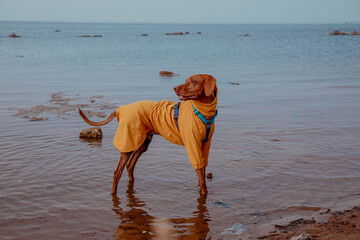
x=61, y=106
x=324, y=225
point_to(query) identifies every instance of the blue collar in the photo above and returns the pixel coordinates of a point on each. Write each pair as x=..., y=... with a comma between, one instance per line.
x=203, y=119
x=207, y=123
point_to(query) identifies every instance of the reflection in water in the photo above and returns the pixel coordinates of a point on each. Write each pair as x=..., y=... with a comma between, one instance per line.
x=136, y=223
x=195, y=227
x=93, y=142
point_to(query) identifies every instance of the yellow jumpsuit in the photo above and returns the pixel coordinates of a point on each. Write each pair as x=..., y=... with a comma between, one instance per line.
x=139, y=118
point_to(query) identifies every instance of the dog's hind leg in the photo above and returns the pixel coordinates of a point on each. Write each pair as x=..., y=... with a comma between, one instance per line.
x=124, y=157
x=136, y=155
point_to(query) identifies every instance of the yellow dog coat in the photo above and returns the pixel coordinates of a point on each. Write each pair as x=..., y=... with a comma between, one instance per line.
x=139, y=118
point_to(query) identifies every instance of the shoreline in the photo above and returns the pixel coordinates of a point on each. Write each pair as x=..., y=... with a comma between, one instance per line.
x=329, y=224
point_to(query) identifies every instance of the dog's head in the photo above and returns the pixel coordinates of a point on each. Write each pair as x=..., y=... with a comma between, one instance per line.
x=196, y=87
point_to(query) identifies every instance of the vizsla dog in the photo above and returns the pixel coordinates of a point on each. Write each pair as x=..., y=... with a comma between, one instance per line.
x=188, y=123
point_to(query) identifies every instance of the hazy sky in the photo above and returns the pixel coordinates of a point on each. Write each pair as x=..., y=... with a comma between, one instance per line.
x=182, y=11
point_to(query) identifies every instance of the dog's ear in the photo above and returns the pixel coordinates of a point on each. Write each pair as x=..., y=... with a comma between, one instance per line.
x=209, y=84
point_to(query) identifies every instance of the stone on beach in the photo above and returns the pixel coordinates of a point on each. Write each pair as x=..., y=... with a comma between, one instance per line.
x=92, y=133
x=144, y=34
x=302, y=237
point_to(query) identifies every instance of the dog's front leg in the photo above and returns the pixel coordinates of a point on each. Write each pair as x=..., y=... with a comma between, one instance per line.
x=202, y=183
x=124, y=157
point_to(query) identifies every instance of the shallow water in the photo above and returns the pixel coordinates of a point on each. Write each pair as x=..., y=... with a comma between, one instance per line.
x=287, y=137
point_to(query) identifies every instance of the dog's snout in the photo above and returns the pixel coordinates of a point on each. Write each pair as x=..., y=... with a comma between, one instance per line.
x=176, y=89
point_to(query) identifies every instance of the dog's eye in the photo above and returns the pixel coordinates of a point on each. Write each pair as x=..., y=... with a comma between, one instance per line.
x=193, y=81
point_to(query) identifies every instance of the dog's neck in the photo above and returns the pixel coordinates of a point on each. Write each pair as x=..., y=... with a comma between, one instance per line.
x=208, y=99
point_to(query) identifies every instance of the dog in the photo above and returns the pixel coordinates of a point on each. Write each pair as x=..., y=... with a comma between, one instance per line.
x=189, y=123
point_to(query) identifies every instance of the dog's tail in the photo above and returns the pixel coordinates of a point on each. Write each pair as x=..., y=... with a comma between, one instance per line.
x=106, y=121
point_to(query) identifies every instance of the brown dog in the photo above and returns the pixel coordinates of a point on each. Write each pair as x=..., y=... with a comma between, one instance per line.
x=189, y=123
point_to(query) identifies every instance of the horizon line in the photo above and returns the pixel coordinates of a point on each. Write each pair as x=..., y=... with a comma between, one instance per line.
x=183, y=23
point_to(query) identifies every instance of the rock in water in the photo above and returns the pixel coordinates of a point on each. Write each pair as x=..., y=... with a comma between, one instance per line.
x=91, y=133
x=354, y=33
x=337, y=32
x=13, y=35
x=175, y=33
x=220, y=203
x=167, y=74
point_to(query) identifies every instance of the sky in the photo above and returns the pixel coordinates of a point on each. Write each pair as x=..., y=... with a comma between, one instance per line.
x=182, y=11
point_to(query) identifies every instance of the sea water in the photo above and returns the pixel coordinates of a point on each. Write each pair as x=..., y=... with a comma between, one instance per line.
x=287, y=137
